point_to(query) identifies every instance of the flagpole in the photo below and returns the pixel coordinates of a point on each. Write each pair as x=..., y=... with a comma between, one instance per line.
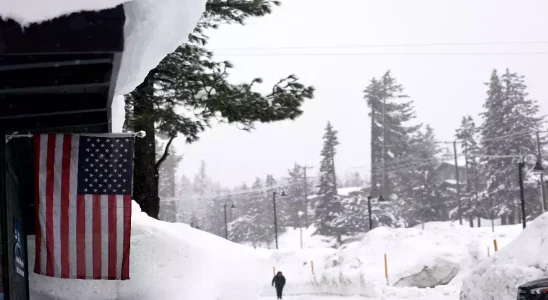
x=140, y=134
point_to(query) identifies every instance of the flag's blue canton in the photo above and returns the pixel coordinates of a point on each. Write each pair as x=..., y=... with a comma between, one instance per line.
x=105, y=165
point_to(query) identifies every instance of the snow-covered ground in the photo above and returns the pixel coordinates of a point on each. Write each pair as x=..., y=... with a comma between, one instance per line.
x=357, y=268
x=524, y=259
x=168, y=261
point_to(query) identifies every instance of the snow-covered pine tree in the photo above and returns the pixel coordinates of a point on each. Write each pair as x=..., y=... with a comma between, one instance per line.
x=202, y=191
x=508, y=111
x=328, y=207
x=419, y=185
x=473, y=205
x=293, y=203
x=167, y=185
x=386, y=95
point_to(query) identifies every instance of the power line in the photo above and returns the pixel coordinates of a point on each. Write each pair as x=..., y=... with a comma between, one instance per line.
x=390, y=54
x=440, y=44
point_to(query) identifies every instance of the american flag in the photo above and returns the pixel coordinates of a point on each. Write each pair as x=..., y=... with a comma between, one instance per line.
x=83, y=205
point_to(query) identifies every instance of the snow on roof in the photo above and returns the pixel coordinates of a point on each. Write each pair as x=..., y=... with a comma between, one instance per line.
x=153, y=29
x=348, y=190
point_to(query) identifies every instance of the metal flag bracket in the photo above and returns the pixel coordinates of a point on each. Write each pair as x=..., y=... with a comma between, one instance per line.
x=140, y=134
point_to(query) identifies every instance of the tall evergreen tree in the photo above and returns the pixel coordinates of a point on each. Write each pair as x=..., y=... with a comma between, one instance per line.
x=328, y=207
x=473, y=206
x=167, y=187
x=391, y=114
x=294, y=202
x=190, y=80
x=508, y=111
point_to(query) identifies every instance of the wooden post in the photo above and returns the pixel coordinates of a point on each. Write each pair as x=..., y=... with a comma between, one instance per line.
x=495, y=245
x=488, y=252
x=312, y=266
x=386, y=269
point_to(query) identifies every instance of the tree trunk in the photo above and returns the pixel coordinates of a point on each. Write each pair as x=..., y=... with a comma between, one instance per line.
x=479, y=221
x=511, y=218
x=146, y=180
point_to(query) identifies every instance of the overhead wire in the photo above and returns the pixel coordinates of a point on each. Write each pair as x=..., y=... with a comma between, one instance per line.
x=394, y=45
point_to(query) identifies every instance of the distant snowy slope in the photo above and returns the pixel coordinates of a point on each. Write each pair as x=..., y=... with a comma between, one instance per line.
x=523, y=260
x=168, y=261
x=153, y=29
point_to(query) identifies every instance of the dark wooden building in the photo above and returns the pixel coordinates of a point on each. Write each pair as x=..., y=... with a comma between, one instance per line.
x=56, y=76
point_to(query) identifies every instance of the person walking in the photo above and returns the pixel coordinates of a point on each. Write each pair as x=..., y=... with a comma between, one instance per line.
x=279, y=282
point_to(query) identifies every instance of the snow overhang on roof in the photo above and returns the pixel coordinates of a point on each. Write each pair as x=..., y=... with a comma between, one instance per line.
x=152, y=29
x=60, y=73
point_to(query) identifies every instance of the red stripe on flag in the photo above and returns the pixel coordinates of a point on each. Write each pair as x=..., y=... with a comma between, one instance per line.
x=112, y=234
x=64, y=222
x=49, y=204
x=96, y=207
x=127, y=235
x=81, y=236
x=38, y=233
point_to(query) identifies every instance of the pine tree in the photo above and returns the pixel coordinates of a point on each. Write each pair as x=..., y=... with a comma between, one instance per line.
x=167, y=186
x=294, y=201
x=391, y=113
x=185, y=196
x=473, y=206
x=419, y=186
x=508, y=111
x=328, y=207
x=190, y=80
x=201, y=187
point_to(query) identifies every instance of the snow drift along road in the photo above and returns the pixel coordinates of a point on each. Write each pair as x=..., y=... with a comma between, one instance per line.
x=445, y=249
x=525, y=259
x=168, y=261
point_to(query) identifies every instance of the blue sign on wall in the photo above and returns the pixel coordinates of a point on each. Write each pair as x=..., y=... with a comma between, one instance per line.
x=18, y=250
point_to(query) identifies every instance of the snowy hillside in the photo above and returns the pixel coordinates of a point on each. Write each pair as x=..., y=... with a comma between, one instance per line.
x=447, y=250
x=168, y=261
x=521, y=261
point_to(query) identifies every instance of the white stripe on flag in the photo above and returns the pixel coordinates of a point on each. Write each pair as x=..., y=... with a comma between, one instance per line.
x=104, y=236
x=89, y=236
x=42, y=205
x=72, y=205
x=119, y=234
x=57, y=186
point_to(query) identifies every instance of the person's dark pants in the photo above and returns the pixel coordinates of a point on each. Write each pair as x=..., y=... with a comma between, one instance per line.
x=279, y=290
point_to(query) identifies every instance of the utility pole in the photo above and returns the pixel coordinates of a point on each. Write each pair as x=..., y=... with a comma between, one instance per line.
x=305, y=168
x=539, y=153
x=275, y=218
x=459, y=209
x=373, y=148
x=384, y=146
x=467, y=180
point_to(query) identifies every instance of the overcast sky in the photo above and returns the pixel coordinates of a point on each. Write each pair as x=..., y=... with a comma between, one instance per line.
x=444, y=86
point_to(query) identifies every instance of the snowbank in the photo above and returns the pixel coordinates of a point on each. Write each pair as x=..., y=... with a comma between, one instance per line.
x=168, y=261
x=153, y=29
x=357, y=268
x=521, y=261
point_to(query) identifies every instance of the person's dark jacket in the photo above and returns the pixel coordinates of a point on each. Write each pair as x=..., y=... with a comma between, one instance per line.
x=278, y=281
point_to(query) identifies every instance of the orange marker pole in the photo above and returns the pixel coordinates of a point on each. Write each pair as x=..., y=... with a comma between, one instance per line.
x=386, y=269
x=495, y=244
x=312, y=266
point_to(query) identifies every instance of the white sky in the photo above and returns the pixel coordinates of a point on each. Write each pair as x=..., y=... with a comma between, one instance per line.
x=444, y=87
